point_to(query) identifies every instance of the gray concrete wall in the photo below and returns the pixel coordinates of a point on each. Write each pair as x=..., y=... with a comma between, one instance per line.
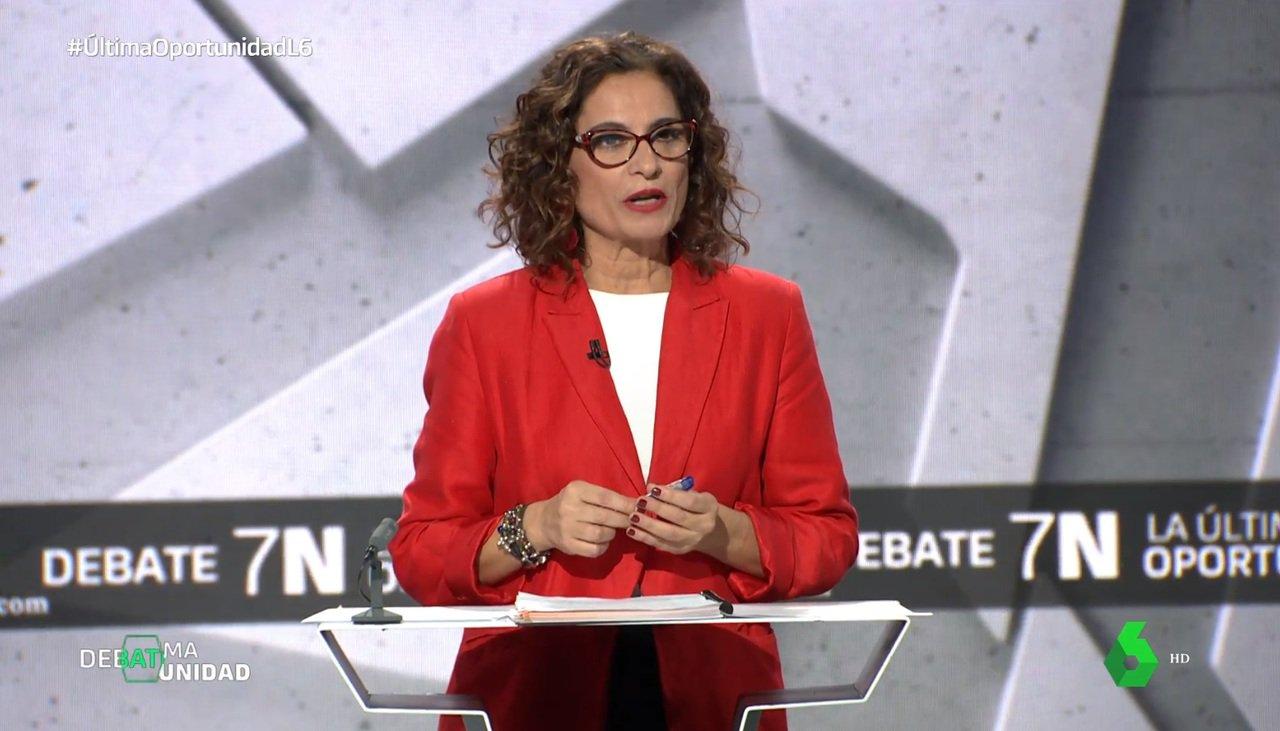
x=1169, y=358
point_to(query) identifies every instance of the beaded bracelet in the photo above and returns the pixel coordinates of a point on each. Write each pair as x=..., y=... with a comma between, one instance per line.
x=512, y=539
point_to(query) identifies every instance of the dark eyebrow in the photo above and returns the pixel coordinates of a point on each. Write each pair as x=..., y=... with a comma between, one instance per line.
x=619, y=125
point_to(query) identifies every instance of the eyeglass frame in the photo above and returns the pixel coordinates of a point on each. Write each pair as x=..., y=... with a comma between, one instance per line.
x=583, y=140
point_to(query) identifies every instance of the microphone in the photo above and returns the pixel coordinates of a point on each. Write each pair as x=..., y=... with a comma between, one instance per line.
x=378, y=542
x=601, y=357
x=382, y=535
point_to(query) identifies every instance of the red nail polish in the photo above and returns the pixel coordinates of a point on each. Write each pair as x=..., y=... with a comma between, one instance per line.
x=631, y=531
x=635, y=519
x=640, y=505
x=656, y=491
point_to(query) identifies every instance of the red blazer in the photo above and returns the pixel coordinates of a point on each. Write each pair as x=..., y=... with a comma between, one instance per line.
x=517, y=410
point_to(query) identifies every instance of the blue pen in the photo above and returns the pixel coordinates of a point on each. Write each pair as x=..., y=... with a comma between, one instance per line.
x=682, y=484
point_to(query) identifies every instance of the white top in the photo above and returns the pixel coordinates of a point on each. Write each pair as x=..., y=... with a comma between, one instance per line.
x=633, y=332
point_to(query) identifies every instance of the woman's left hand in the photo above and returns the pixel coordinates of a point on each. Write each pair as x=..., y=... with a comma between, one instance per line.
x=681, y=520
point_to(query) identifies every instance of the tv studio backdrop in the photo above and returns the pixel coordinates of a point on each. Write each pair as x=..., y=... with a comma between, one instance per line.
x=1037, y=243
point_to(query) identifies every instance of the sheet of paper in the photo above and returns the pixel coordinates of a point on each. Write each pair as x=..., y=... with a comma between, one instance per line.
x=821, y=611
x=666, y=602
x=499, y=613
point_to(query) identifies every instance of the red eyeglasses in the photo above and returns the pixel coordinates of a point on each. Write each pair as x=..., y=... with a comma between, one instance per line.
x=610, y=148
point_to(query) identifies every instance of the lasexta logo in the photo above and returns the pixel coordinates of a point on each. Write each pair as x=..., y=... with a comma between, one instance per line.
x=1129, y=643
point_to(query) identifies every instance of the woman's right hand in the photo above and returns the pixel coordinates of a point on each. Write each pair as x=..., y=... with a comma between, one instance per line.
x=580, y=520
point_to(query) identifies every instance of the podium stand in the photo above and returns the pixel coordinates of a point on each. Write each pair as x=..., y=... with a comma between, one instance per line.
x=895, y=617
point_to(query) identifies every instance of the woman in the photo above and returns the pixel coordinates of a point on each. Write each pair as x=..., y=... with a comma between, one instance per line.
x=624, y=356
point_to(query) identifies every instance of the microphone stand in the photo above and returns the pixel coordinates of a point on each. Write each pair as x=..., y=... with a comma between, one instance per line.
x=375, y=614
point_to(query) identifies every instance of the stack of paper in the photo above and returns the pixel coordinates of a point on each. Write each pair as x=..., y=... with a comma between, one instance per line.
x=532, y=608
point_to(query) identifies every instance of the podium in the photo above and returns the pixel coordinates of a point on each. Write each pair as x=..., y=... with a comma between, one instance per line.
x=895, y=618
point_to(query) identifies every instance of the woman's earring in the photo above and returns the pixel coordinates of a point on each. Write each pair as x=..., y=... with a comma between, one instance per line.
x=571, y=242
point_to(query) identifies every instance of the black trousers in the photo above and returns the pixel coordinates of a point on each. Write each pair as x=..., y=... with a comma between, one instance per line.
x=635, y=690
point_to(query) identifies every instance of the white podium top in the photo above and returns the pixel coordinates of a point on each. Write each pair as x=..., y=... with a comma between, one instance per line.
x=502, y=615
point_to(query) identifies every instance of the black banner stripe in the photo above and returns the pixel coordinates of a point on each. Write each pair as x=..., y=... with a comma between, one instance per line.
x=143, y=563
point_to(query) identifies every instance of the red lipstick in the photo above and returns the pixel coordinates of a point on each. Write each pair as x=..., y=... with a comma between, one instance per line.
x=646, y=201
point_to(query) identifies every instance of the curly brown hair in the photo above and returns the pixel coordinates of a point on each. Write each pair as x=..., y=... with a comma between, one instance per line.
x=533, y=207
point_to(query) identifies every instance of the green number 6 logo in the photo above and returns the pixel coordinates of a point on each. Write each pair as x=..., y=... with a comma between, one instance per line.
x=1130, y=644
